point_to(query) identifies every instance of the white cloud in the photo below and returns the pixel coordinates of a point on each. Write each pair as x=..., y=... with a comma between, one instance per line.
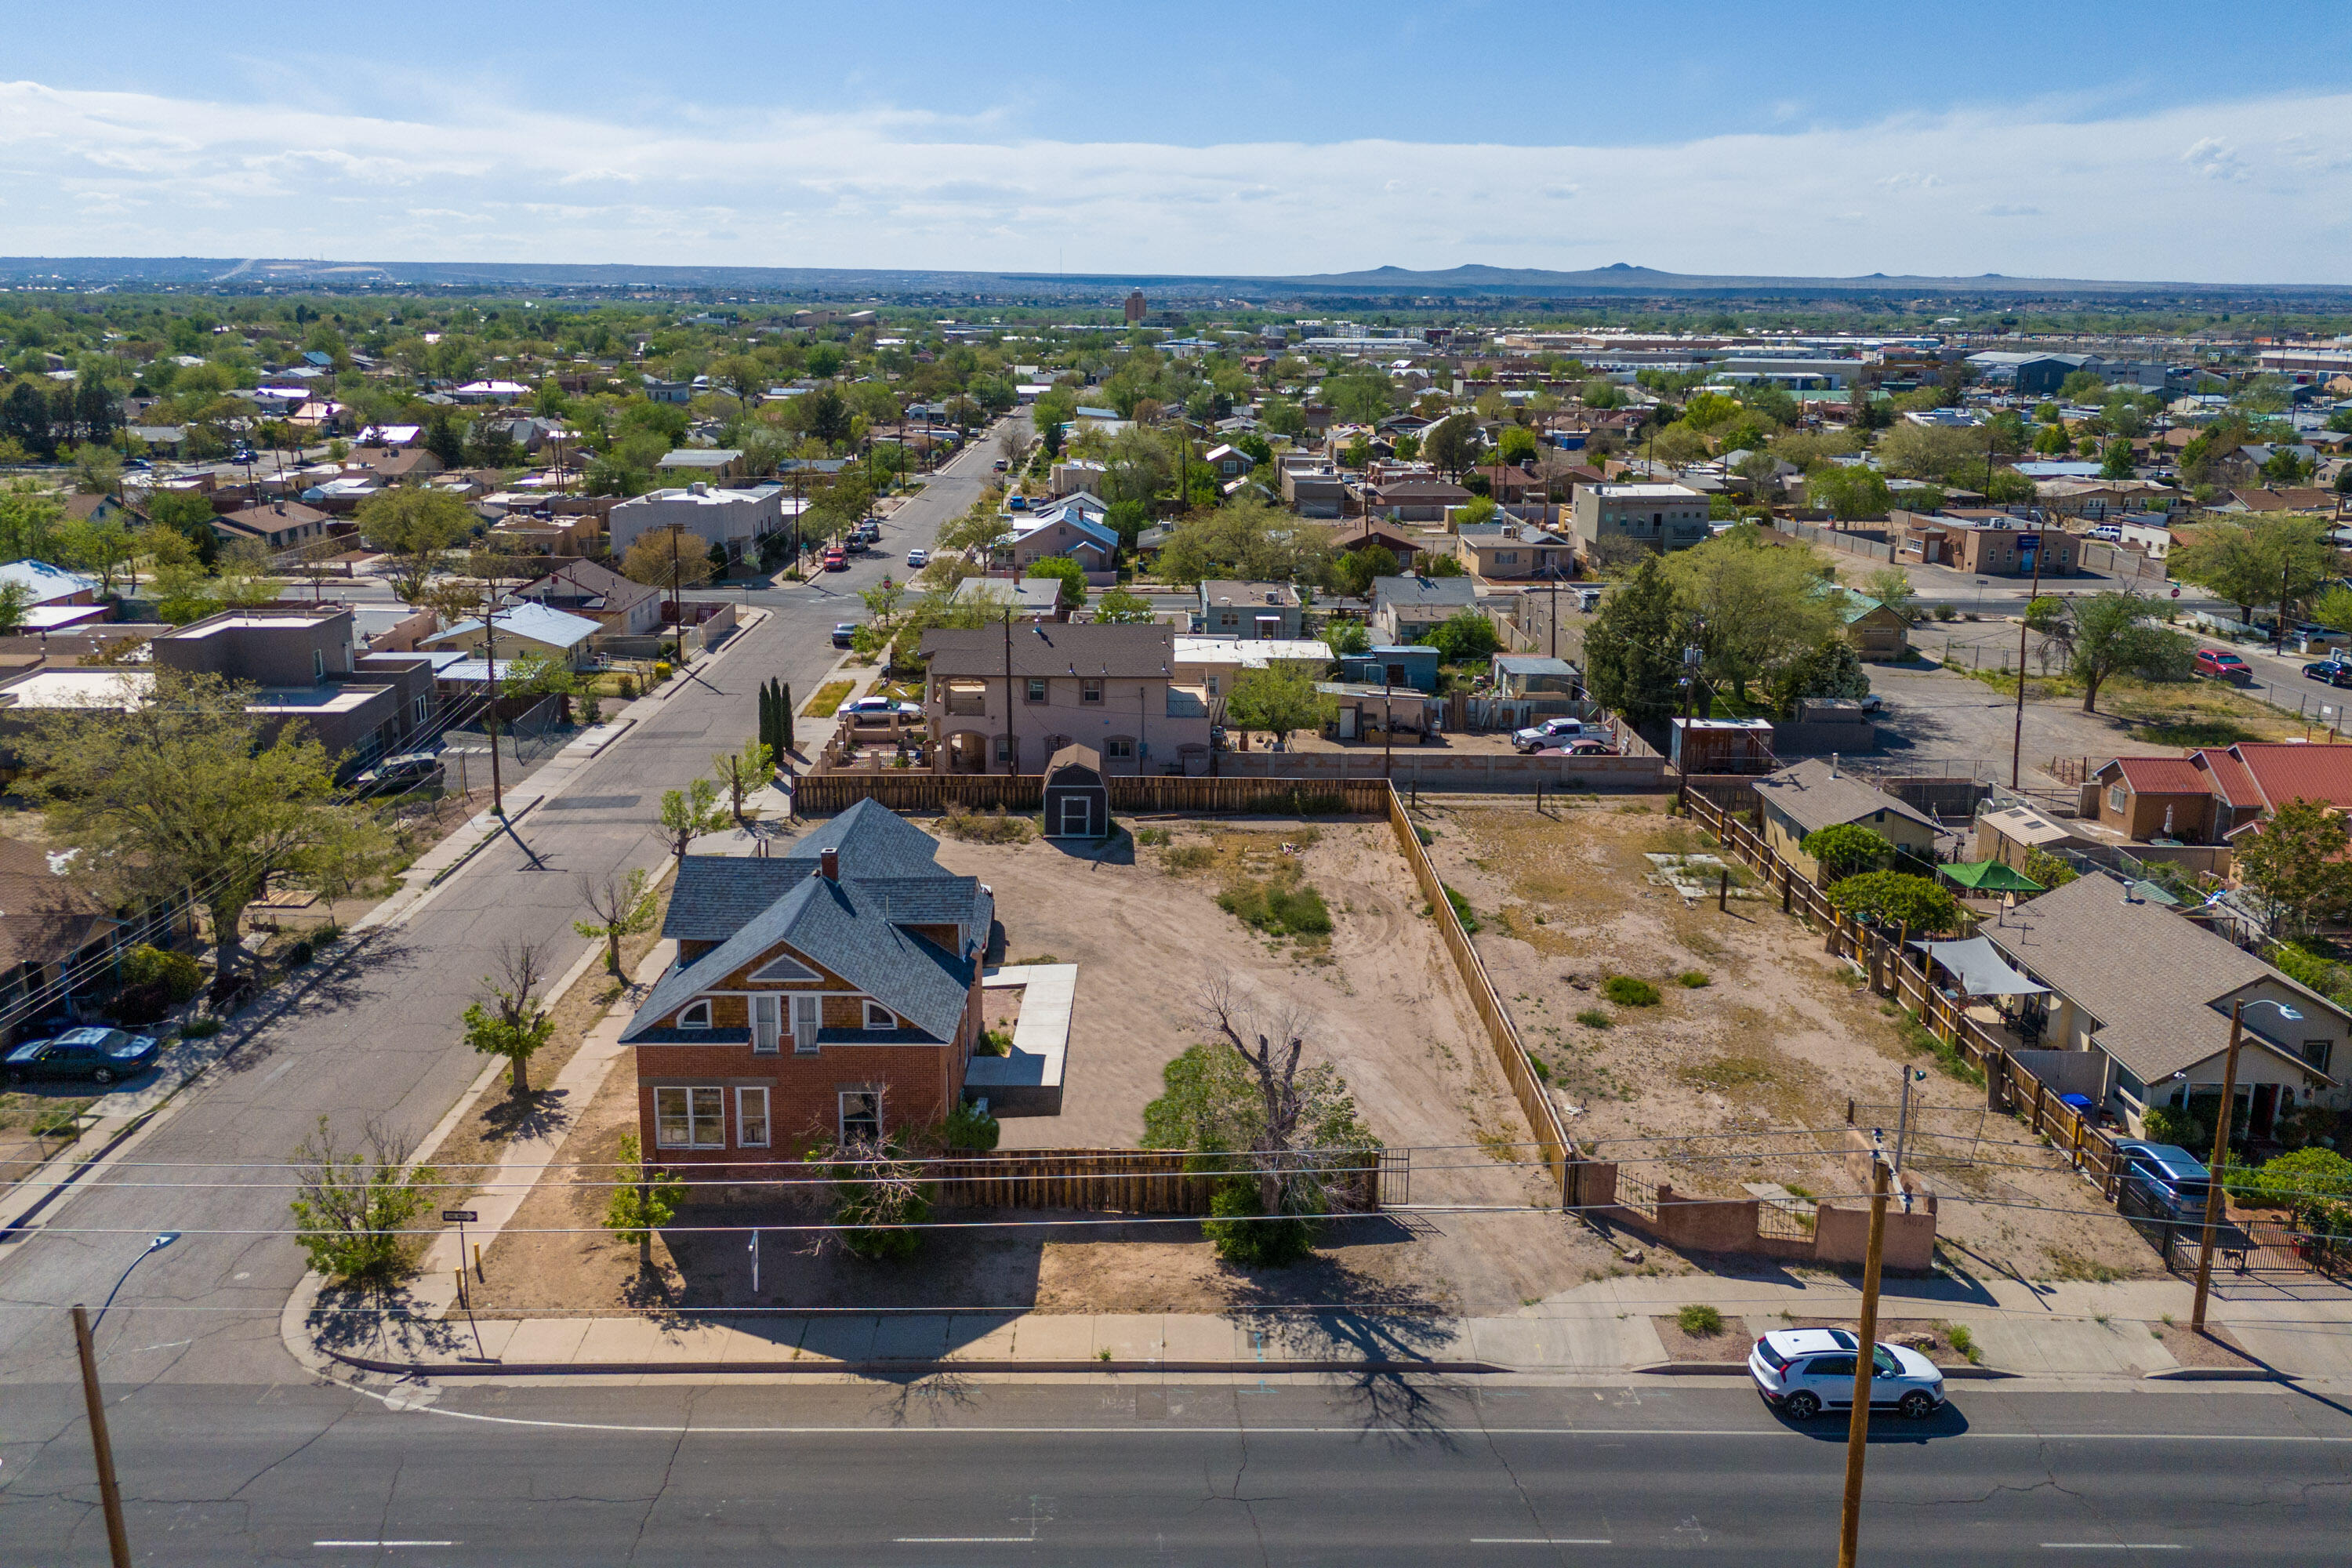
x=2257, y=196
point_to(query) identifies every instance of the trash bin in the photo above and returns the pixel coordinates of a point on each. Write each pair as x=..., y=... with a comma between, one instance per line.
x=2078, y=1102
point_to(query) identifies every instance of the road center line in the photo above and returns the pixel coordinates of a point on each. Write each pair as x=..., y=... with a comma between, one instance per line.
x=374, y=1545
x=1538, y=1540
x=2113, y=1546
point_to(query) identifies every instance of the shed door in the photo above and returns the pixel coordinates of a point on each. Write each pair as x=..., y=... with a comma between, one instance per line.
x=1347, y=724
x=1077, y=815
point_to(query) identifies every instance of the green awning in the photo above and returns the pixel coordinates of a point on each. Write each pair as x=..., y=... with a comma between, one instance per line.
x=1990, y=877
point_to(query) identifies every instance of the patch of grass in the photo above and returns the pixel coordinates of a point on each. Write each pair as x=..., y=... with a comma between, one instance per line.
x=1960, y=1340
x=996, y=1043
x=1284, y=904
x=2195, y=732
x=1542, y=1068
x=1189, y=857
x=1947, y=1056
x=1426, y=835
x=828, y=699
x=1627, y=991
x=1692, y=980
x=1699, y=1320
x=1730, y=1072
x=2065, y=1263
x=1041, y=958
x=1462, y=911
x=1151, y=835
x=995, y=826
x=1594, y=1018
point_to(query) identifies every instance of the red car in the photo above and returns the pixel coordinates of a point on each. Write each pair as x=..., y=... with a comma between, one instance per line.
x=836, y=560
x=2227, y=666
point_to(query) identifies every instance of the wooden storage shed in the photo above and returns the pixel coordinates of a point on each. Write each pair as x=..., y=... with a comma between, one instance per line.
x=1077, y=801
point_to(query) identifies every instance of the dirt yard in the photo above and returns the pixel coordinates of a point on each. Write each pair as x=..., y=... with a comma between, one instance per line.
x=1741, y=1071
x=1145, y=929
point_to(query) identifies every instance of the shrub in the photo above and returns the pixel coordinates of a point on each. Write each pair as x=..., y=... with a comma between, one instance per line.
x=1594, y=1018
x=1627, y=991
x=995, y=826
x=181, y=976
x=355, y=1214
x=1846, y=849
x=1252, y=1242
x=2170, y=1124
x=1188, y=858
x=969, y=1127
x=1463, y=913
x=1278, y=908
x=1699, y=1320
x=1893, y=898
x=661, y=672
x=140, y=1004
x=298, y=954
x=1151, y=835
x=201, y=1029
x=996, y=1043
x=1692, y=980
x=628, y=684
x=872, y=1195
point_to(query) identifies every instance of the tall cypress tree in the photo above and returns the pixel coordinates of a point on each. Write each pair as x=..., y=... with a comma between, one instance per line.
x=784, y=721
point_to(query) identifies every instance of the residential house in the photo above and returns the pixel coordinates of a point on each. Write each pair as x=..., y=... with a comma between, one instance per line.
x=1412, y=665
x=1878, y=633
x=1405, y=608
x=1006, y=703
x=1502, y=551
x=1371, y=531
x=1530, y=675
x=583, y=588
x=1228, y=462
x=392, y=464
x=55, y=937
x=2206, y=794
x=1314, y=489
x=2152, y=994
x=1072, y=528
x=733, y=519
x=280, y=525
x=1660, y=516
x=827, y=994
x=1214, y=663
x=1805, y=797
x=709, y=464
x=54, y=598
x=1250, y=610
x=1072, y=475
x=1512, y=485
x=1414, y=497
x=1027, y=598
x=522, y=631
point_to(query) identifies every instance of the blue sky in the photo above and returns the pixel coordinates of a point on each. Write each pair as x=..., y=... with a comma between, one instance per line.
x=2159, y=141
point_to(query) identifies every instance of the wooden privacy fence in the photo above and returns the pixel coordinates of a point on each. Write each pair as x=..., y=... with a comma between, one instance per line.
x=1136, y=1181
x=1553, y=1145
x=825, y=795
x=1901, y=974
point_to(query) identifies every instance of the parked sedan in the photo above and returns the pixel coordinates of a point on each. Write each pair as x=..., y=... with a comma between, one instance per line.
x=841, y=632
x=99, y=1055
x=2228, y=665
x=874, y=710
x=1550, y=732
x=919, y=558
x=2335, y=671
x=1803, y=1371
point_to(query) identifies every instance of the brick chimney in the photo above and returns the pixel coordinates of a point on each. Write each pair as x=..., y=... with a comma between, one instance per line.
x=828, y=865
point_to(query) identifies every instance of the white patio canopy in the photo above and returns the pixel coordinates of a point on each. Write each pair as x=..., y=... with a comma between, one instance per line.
x=1980, y=969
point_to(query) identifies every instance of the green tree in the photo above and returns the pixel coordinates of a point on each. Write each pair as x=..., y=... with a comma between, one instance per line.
x=1451, y=445
x=2296, y=862
x=687, y=814
x=1891, y=587
x=97, y=470
x=1068, y=573
x=1756, y=606
x=1347, y=638
x=355, y=1214
x=2106, y=635
x=1848, y=493
x=507, y=1017
x=1632, y=649
x=415, y=528
x=15, y=602
x=621, y=906
x=1891, y=899
x=669, y=559
x=1354, y=573
x=1847, y=849
x=1465, y=636
x=741, y=774
x=104, y=549
x=1279, y=698
x=1517, y=444
x=190, y=516
x=2116, y=461
x=172, y=791
x=643, y=1200
x=2273, y=560
x=1119, y=607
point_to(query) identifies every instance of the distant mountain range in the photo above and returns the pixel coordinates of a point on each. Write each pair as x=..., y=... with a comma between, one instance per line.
x=1391, y=284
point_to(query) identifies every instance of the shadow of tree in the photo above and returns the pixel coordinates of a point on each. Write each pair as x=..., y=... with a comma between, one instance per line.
x=378, y=1319
x=363, y=970
x=543, y=1112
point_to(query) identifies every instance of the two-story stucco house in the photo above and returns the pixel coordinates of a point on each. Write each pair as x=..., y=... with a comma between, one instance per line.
x=1005, y=698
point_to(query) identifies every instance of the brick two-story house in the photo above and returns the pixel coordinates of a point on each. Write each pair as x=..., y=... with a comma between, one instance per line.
x=819, y=994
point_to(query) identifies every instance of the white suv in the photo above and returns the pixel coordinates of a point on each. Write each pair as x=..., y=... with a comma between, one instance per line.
x=1803, y=1372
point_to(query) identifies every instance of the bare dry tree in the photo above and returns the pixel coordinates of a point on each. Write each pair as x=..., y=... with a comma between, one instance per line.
x=623, y=907
x=877, y=1189
x=1270, y=1039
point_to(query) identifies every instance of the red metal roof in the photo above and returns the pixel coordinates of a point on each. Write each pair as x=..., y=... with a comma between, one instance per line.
x=2286, y=772
x=2163, y=775
x=2231, y=780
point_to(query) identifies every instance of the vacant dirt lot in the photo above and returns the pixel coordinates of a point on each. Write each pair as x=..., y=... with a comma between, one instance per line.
x=1743, y=1077
x=1144, y=927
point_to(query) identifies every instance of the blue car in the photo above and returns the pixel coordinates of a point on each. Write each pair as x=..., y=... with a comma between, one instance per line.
x=99, y=1055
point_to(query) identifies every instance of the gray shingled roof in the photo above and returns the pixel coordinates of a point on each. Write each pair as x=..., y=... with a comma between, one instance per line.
x=1428, y=592
x=2159, y=985
x=844, y=927
x=1813, y=796
x=716, y=894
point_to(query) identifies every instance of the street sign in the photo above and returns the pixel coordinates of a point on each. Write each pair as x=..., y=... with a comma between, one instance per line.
x=459, y=1216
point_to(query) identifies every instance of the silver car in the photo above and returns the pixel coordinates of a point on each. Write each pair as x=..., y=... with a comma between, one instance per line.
x=1803, y=1371
x=1550, y=732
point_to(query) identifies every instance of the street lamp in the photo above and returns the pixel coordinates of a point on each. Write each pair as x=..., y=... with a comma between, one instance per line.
x=2222, y=1121
x=160, y=1242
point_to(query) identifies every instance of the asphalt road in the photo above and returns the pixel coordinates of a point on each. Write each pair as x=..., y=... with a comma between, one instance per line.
x=933, y=1474
x=380, y=1038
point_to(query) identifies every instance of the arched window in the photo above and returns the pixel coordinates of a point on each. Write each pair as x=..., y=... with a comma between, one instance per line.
x=695, y=1015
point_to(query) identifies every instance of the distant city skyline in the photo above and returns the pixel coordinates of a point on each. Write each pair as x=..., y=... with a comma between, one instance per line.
x=2081, y=141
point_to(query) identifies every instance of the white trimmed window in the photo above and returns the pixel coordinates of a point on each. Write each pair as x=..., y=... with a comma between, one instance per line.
x=695, y=1015
x=878, y=1016
x=692, y=1118
x=751, y=1119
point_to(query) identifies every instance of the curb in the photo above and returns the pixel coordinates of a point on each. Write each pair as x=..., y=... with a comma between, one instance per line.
x=2217, y=1375
x=454, y=866
x=1739, y=1368
x=912, y=1367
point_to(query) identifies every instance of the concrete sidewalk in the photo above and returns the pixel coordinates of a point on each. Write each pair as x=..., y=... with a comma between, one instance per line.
x=1602, y=1329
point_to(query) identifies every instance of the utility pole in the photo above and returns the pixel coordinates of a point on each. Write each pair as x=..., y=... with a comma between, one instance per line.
x=490, y=658
x=110, y=1493
x=1388, y=726
x=1011, y=733
x=2223, y=1117
x=1857, y=1430
x=2025, y=625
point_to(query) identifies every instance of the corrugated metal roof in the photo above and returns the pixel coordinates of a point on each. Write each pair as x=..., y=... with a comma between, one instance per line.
x=2286, y=772
x=2162, y=775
